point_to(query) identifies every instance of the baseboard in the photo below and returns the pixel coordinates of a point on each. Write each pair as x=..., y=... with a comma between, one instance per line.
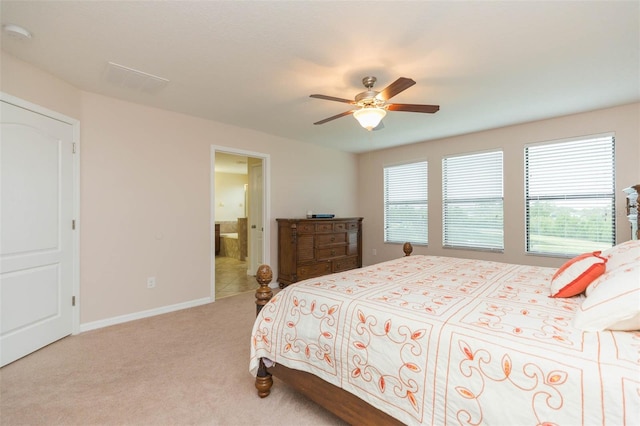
x=143, y=314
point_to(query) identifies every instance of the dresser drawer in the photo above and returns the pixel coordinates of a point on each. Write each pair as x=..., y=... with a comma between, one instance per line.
x=328, y=239
x=331, y=252
x=345, y=264
x=324, y=227
x=340, y=226
x=306, y=228
x=315, y=270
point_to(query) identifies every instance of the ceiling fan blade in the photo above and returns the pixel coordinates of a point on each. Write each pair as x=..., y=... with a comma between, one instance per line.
x=332, y=98
x=414, y=108
x=394, y=88
x=335, y=116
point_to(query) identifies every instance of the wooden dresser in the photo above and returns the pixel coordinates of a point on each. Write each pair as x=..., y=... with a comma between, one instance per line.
x=310, y=248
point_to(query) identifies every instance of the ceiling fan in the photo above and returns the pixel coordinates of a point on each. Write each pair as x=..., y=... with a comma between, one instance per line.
x=373, y=106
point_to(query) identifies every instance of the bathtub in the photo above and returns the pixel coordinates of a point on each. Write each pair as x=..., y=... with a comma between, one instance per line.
x=229, y=245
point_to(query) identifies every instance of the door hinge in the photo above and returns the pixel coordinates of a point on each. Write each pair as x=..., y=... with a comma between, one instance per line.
x=73, y=301
x=73, y=149
x=73, y=225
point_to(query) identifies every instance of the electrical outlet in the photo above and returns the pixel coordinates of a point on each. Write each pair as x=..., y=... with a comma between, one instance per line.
x=374, y=252
x=151, y=282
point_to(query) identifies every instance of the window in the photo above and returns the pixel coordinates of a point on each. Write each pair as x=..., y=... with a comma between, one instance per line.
x=405, y=203
x=569, y=195
x=473, y=201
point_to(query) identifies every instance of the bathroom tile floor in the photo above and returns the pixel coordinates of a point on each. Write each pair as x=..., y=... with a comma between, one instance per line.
x=232, y=278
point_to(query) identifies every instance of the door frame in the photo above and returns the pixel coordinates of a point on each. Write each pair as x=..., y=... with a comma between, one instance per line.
x=266, y=205
x=75, y=237
x=255, y=260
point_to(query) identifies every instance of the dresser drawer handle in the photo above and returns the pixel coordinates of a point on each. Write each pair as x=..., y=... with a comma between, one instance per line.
x=333, y=239
x=333, y=252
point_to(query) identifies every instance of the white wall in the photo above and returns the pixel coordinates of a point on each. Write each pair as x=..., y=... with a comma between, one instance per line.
x=145, y=192
x=145, y=188
x=230, y=196
x=624, y=121
x=31, y=84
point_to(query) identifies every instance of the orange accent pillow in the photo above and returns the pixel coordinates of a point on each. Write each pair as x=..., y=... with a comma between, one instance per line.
x=574, y=276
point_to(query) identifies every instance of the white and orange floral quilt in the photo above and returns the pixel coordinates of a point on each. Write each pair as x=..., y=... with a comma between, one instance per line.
x=440, y=340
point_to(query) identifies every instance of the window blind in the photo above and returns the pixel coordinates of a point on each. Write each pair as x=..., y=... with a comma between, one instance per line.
x=473, y=201
x=570, y=196
x=405, y=203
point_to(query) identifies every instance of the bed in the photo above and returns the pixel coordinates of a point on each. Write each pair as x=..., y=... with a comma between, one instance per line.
x=442, y=340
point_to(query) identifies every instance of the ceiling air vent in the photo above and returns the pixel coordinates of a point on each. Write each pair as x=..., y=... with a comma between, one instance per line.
x=133, y=79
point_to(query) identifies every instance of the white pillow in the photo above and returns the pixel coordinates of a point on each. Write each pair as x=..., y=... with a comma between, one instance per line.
x=616, y=256
x=612, y=302
x=621, y=254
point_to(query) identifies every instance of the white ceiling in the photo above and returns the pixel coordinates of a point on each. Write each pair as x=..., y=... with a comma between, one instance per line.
x=254, y=63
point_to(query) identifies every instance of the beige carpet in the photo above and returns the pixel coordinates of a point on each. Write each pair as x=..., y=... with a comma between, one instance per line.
x=183, y=368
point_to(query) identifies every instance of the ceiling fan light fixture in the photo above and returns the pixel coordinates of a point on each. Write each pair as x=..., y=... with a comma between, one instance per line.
x=374, y=105
x=369, y=118
x=16, y=32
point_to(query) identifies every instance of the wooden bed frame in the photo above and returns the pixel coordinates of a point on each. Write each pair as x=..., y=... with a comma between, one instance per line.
x=343, y=404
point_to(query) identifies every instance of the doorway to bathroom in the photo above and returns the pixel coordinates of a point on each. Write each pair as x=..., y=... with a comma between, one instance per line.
x=238, y=210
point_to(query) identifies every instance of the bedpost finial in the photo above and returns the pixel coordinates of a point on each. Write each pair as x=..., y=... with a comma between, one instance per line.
x=264, y=275
x=407, y=248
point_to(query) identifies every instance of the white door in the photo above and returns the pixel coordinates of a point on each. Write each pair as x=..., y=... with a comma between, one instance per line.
x=36, y=245
x=255, y=216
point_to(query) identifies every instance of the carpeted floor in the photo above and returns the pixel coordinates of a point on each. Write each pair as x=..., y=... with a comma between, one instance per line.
x=183, y=368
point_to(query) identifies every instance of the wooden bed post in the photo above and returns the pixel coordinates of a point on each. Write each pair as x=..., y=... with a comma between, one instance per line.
x=263, y=295
x=407, y=248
